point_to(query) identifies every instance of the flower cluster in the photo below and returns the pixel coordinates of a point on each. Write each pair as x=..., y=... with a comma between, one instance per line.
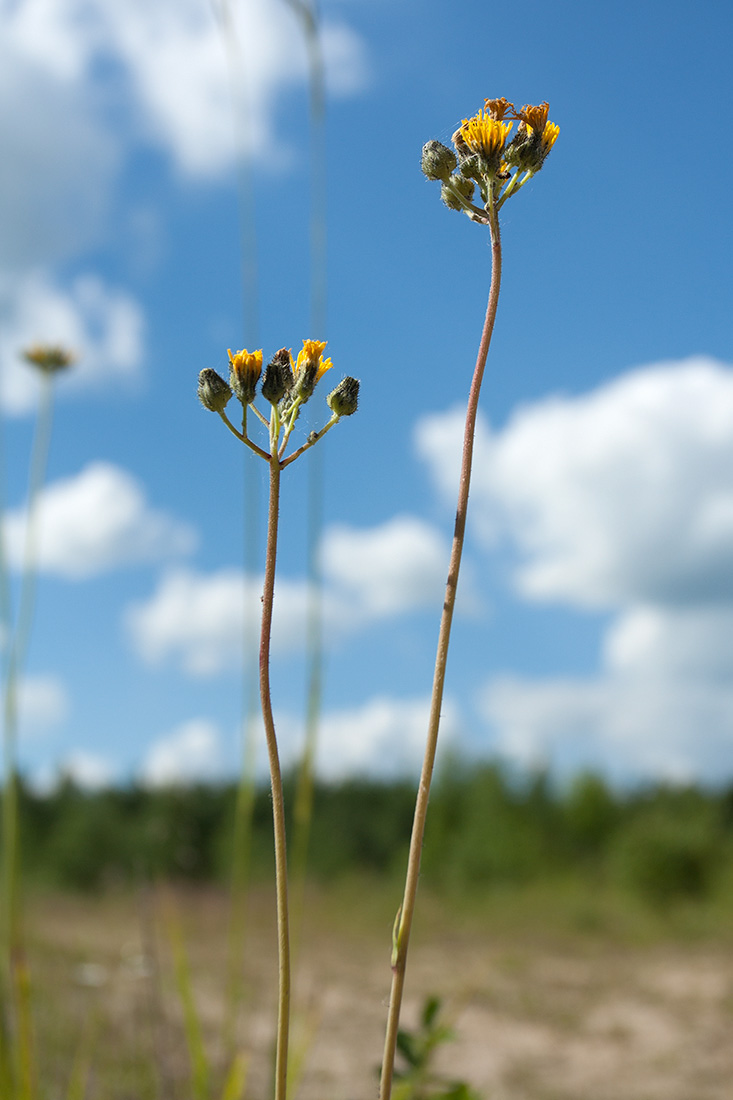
x=286, y=384
x=484, y=156
x=49, y=358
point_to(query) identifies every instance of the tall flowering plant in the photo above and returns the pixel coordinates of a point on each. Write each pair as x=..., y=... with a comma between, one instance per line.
x=486, y=169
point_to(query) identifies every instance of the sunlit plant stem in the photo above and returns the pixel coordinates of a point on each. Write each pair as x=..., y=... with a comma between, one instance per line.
x=403, y=924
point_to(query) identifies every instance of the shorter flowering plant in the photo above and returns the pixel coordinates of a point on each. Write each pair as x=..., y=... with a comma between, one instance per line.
x=287, y=384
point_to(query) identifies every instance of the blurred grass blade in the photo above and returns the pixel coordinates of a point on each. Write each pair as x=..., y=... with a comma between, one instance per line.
x=191, y=1022
x=236, y=1079
x=82, y=1067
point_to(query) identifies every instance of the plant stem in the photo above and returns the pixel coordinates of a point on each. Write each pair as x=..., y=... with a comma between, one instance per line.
x=278, y=806
x=404, y=923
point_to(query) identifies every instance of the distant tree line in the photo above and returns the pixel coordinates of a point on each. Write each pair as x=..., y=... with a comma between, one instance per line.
x=487, y=828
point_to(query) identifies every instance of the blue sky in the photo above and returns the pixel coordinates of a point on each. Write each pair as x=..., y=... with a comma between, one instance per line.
x=596, y=609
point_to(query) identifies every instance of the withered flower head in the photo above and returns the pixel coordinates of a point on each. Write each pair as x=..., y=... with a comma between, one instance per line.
x=534, y=139
x=498, y=108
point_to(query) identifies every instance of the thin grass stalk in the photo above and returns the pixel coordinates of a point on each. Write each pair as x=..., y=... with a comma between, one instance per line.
x=245, y=800
x=16, y=975
x=303, y=803
x=403, y=924
x=278, y=804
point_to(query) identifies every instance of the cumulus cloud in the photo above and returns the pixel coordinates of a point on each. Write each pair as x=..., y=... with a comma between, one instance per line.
x=87, y=770
x=384, y=738
x=198, y=619
x=171, y=60
x=630, y=727
x=96, y=521
x=619, y=499
x=191, y=753
x=59, y=158
x=622, y=494
x=370, y=574
x=388, y=569
x=101, y=326
x=43, y=702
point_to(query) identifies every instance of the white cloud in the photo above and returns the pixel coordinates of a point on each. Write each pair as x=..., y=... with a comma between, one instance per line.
x=198, y=619
x=191, y=753
x=172, y=61
x=619, y=495
x=661, y=705
x=381, y=738
x=102, y=327
x=627, y=727
x=369, y=574
x=621, y=498
x=59, y=159
x=87, y=770
x=389, y=569
x=384, y=737
x=42, y=702
x=95, y=521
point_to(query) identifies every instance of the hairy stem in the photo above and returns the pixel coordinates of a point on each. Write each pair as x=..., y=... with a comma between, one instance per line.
x=278, y=806
x=404, y=922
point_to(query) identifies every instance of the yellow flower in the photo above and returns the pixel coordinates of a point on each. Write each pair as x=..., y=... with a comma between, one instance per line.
x=245, y=368
x=482, y=134
x=246, y=362
x=311, y=355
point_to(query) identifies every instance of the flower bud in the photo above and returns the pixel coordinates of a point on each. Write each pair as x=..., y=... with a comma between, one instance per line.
x=343, y=401
x=278, y=377
x=438, y=161
x=213, y=391
x=464, y=188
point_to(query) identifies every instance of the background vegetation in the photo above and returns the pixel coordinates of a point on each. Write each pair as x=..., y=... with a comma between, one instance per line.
x=488, y=828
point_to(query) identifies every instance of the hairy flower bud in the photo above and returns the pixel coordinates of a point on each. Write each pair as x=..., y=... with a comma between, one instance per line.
x=344, y=400
x=213, y=391
x=454, y=189
x=438, y=161
x=278, y=377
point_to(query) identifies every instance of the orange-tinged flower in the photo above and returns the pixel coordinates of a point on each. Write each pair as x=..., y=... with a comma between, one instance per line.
x=534, y=120
x=498, y=108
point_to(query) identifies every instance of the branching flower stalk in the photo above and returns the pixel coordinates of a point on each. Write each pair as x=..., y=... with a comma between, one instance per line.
x=482, y=158
x=17, y=1071
x=287, y=385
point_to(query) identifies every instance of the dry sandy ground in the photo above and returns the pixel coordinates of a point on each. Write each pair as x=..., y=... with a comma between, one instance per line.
x=536, y=1017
